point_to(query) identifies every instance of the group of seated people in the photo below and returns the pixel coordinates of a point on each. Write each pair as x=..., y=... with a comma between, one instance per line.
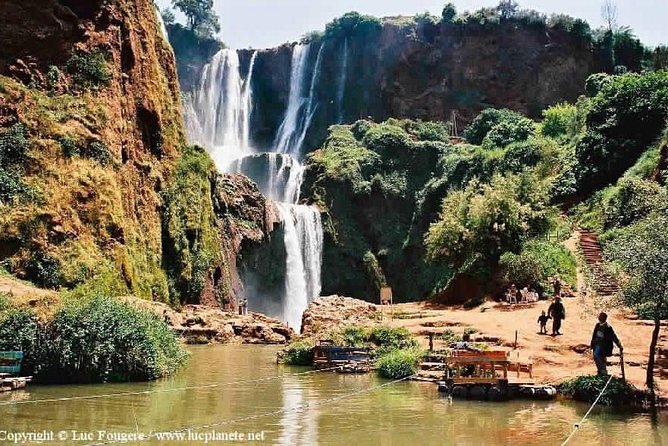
x=525, y=295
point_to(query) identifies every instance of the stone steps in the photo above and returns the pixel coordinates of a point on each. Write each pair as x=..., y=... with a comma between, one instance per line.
x=604, y=283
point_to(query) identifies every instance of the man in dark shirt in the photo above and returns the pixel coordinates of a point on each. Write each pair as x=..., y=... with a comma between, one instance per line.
x=557, y=312
x=601, y=343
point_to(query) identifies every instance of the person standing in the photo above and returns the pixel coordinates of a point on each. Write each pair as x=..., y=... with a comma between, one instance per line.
x=557, y=287
x=601, y=344
x=557, y=312
x=245, y=307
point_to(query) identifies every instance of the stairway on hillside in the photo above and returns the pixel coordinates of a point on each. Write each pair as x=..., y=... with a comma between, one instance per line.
x=604, y=283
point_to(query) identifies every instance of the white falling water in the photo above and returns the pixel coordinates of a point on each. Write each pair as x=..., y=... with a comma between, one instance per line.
x=303, y=240
x=222, y=105
x=161, y=24
x=218, y=117
x=343, y=77
x=301, y=102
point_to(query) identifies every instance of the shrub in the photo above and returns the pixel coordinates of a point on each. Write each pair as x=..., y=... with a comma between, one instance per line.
x=386, y=139
x=44, y=270
x=14, y=144
x=508, y=131
x=587, y=388
x=560, y=120
x=105, y=340
x=69, y=146
x=537, y=262
x=476, y=132
x=632, y=200
x=520, y=155
x=429, y=131
x=354, y=336
x=398, y=364
x=298, y=353
x=98, y=151
x=89, y=70
x=392, y=338
x=595, y=83
x=97, y=340
x=12, y=188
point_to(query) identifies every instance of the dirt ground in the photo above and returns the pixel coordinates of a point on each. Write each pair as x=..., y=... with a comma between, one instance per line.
x=554, y=358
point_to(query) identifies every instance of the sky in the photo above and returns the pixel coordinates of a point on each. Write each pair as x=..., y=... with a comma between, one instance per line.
x=268, y=23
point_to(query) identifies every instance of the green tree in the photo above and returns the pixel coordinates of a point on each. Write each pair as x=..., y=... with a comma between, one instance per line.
x=642, y=252
x=507, y=9
x=201, y=17
x=449, y=13
x=168, y=16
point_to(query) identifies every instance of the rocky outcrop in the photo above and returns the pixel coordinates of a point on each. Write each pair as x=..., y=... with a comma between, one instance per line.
x=333, y=312
x=199, y=324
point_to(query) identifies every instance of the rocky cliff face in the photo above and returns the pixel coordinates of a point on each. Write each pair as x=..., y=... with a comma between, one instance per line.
x=90, y=96
x=417, y=70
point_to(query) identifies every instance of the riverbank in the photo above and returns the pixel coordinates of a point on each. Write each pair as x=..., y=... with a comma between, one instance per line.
x=555, y=359
x=195, y=324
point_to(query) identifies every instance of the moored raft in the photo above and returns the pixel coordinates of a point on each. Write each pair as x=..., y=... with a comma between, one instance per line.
x=10, y=364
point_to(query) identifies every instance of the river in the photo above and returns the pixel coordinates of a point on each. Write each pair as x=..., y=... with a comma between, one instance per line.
x=403, y=413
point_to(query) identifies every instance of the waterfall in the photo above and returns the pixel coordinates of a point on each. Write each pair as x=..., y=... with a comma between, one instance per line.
x=161, y=24
x=218, y=116
x=301, y=103
x=222, y=105
x=341, y=88
x=303, y=244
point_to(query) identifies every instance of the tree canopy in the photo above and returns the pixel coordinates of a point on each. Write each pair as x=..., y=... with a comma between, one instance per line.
x=201, y=17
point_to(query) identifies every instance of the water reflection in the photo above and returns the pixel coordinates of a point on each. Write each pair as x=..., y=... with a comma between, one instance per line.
x=404, y=413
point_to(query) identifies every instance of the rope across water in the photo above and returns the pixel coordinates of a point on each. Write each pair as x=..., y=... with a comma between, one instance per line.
x=576, y=427
x=149, y=392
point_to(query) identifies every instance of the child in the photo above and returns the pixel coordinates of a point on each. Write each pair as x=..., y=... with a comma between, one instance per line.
x=542, y=320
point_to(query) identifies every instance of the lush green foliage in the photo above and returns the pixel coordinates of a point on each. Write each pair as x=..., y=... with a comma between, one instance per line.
x=298, y=353
x=560, y=120
x=352, y=23
x=189, y=224
x=95, y=340
x=488, y=219
x=14, y=144
x=537, y=262
x=44, y=270
x=641, y=251
x=89, y=69
x=633, y=199
x=397, y=364
x=625, y=118
x=503, y=126
x=587, y=388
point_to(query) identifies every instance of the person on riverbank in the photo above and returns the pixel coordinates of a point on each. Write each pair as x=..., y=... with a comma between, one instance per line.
x=245, y=306
x=601, y=344
x=542, y=320
x=557, y=312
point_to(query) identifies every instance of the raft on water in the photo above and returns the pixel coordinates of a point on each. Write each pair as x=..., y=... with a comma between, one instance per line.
x=10, y=364
x=484, y=375
x=341, y=359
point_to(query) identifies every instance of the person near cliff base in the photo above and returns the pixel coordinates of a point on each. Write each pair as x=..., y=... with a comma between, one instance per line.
x=557, y=312
x=601, y=343
x=245, y=304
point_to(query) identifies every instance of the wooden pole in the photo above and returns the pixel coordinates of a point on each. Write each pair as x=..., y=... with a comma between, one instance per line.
x=515, y=339
x=621, y=363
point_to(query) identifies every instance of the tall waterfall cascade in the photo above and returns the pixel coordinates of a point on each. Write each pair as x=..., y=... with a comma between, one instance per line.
x=219, y=117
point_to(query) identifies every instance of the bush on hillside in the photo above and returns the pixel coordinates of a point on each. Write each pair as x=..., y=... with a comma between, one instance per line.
x=508, y=131
x=632, y=200
x=89, y=69
x=537, y=262
x=352, y=23
x=44, y=270
x=14, y=145
x=560, y=120
x=513, y=123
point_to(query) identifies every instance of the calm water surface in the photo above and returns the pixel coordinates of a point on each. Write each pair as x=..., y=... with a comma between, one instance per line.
x=406, y=413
